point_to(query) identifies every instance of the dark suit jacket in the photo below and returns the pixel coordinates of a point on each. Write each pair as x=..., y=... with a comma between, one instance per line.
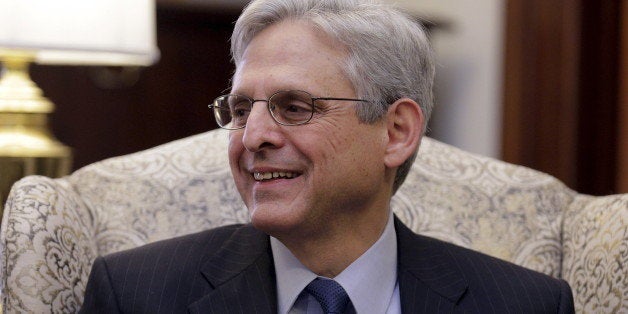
x=230, y=270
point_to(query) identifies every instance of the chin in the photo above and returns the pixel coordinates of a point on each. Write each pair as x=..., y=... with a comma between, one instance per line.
x=276, y=222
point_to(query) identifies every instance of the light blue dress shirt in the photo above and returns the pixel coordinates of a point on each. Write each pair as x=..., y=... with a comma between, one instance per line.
x=370, y=281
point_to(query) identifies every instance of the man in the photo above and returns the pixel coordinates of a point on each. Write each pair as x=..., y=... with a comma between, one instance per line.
x=329, y=102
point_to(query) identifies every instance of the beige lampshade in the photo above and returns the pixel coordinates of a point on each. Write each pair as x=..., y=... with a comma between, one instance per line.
x=69, y=32
x=96, y=32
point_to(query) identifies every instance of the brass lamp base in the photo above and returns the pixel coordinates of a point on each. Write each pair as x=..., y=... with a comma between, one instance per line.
x=27, y=146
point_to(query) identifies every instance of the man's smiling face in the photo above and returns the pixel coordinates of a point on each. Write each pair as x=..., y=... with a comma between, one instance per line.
x=301, y=180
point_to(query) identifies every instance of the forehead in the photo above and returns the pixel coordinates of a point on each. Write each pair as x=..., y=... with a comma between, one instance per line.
x=291, y=55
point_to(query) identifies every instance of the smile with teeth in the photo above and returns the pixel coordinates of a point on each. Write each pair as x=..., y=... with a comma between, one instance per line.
x=261, y=176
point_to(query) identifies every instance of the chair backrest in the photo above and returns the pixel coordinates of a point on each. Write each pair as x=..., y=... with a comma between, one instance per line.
x=54, y=228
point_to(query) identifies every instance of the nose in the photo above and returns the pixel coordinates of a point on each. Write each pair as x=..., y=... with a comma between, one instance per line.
x=261, y=130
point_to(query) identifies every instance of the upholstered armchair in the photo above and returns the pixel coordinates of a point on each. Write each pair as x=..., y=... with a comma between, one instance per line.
x=53, y=229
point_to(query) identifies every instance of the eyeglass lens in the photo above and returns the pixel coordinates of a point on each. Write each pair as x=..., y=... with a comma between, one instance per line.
x=286, y=107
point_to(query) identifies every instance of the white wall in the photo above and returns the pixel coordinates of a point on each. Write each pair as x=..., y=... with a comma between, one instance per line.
x=469, y=74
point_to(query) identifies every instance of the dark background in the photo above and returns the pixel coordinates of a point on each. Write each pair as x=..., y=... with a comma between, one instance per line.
x=167, y=102
x=564, y=102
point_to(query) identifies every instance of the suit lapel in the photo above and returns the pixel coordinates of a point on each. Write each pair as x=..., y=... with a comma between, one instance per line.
x=241, y=274
x=429, y=281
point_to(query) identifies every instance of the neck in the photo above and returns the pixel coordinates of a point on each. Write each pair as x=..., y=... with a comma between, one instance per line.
x=332, y=250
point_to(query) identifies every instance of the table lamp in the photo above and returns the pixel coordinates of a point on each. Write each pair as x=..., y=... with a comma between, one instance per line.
x=64, y=32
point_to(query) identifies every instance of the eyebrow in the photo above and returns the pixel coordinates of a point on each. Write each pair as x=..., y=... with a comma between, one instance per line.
x=275, y=89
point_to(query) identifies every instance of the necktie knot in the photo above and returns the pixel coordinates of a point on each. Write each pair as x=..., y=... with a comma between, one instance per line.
x=332, y=297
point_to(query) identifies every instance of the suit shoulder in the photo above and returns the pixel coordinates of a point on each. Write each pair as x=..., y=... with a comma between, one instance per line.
x=470, y=260
x=527, y=289
x=477, y=282
x=212, y=238
x=164, y=276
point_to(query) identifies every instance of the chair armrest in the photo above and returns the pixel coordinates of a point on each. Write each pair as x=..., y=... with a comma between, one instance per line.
x=46, y=247
x=595, y=247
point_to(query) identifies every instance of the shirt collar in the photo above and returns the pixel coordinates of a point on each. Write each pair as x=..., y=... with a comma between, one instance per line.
x=379, y=262
x=292, y=276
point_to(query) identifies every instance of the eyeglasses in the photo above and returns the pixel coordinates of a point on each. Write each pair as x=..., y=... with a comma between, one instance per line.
x=290, y=107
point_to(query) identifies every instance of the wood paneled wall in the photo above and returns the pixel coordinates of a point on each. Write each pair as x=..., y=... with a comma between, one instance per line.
x=561, y=94
x=622, y=140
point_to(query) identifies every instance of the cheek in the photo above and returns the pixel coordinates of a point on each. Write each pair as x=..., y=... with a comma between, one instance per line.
x=235, y=150
x=331, y=139
x=362, y=151
x=338, y=154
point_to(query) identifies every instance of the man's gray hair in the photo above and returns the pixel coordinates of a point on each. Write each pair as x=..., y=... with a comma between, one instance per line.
x=389, y=55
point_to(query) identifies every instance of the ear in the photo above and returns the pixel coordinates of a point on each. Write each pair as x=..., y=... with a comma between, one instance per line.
x=405, y=124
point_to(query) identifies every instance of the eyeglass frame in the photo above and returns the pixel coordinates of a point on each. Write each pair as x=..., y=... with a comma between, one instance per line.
x=214, y=107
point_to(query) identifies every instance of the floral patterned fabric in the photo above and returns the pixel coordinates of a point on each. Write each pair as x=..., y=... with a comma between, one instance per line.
x=53, y=229
x=595, y=253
